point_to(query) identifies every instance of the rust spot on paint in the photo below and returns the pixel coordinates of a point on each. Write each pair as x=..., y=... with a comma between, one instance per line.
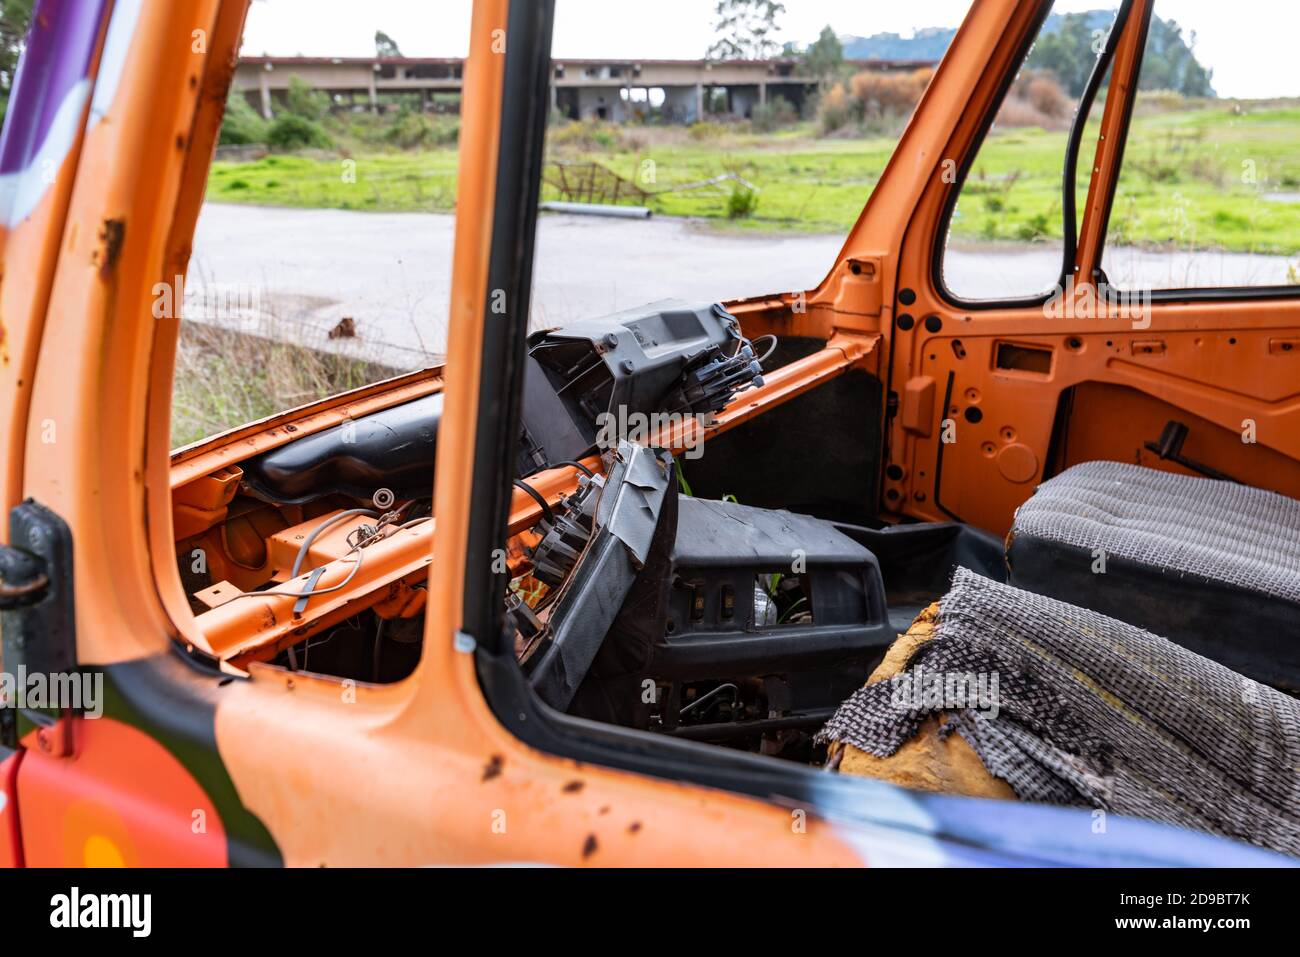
x=589, y=846
x=573, y=787
x=111, y=235
x=493, y=767
x=634, y=827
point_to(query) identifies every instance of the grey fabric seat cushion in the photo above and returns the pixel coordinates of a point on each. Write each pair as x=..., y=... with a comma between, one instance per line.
x=1245, y=537
x=1080, y=709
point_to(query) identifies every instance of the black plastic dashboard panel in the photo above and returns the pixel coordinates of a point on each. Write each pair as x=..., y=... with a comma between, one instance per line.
x=391, y=449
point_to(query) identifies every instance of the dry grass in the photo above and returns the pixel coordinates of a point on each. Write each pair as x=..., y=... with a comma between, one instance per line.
x=1035, y=99
x=226, y=379
x=889, y=94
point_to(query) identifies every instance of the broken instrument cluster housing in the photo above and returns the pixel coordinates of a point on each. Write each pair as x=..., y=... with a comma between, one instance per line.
x=596, y=381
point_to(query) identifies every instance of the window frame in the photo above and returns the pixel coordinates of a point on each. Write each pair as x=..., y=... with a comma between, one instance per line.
x=1069, y=212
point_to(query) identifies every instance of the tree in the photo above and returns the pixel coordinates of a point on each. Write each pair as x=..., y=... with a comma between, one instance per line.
x=745, y=30
x=385, y=46
x=14, y=17
x=1168, y=63
x=825, y=58
x=301, y=100
x=1067, y=52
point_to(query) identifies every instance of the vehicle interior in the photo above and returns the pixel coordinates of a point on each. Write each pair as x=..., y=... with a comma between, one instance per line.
x=722, y=516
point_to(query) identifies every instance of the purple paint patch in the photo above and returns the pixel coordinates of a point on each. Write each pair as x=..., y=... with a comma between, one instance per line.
x=61, y=42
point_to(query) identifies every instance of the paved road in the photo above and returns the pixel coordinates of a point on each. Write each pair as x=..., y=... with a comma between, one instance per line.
x=390, y=272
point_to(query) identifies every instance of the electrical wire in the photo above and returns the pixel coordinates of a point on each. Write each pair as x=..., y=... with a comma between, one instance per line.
x=537, y=497
x=576, y=465
x=771, y=349
x=315, y=533
x=312, y=593
x=728, y=686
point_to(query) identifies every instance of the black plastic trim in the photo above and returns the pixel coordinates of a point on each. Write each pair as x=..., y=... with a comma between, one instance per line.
x=938, y=458
x=525, y=103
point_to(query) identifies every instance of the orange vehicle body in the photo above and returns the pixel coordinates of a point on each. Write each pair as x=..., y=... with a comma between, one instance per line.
x=276, y=766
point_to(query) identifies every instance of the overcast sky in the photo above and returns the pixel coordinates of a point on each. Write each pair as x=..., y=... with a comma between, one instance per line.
x=1249, y=44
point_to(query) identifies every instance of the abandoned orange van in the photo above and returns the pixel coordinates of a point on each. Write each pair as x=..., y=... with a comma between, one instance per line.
x=869, y=573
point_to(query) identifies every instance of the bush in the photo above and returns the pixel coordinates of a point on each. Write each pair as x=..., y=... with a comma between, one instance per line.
x=776, y=112
x=834, y=109
x=889, y=94
x=411, y=130
x=1046, y=95
x=295, y=132
x=242, y=125
x=703, y=130
x=587, y=135
x=1035, y=99
x=741, y=201
x=302, y=100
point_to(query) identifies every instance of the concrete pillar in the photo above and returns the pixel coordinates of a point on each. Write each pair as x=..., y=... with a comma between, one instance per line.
x=374, y=92
x=699, y=102
x=264, y=84
x=762, y=93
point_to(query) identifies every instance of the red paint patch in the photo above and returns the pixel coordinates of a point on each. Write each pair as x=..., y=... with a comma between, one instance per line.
x=11, y=847
x=121, y=799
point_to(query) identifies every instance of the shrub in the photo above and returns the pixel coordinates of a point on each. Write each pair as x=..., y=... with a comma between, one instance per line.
x=587, y=135
x=1035, y=99
x=834, y=110
x=776, y=112
x=1034, y=228
x=242, y=125
x=411, y=130
x=741, y=201
x=889, y=94
x=1046, y=95
x=295, y=132
x=704, y=130
x=302, y=100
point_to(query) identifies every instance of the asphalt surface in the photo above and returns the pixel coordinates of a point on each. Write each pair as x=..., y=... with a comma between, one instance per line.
x=299, y=272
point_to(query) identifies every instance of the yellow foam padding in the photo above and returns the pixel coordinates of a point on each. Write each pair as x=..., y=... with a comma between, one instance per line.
x=927, y=762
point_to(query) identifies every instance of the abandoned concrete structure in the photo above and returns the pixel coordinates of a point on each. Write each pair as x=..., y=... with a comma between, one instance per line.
x=680, y=91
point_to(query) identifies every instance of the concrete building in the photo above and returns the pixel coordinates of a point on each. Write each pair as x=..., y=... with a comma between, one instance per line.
x=680, y=91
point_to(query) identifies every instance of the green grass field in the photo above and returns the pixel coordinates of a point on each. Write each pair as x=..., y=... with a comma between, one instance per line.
x=1202, y=177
